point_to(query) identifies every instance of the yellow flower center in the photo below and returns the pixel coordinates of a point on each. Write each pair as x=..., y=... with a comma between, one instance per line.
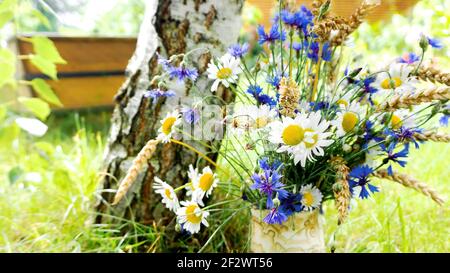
x=293, y=135
x=206, y=180
x=224, y=73
x=391, y=83
x=191, y=216
x=315, y=137
x=261, y=122
x=349, y=121
x=168, y=194
x=308, y=199
x=396, y=122
x=342, y=101
x=167, y=125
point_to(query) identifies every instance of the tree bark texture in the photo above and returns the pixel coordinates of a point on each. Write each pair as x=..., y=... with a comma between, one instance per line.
x=169, y=27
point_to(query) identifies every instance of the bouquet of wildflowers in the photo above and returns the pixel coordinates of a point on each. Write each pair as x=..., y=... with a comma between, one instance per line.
x=304, y=128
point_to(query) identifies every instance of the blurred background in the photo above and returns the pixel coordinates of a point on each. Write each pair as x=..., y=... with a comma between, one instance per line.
x=48, y=181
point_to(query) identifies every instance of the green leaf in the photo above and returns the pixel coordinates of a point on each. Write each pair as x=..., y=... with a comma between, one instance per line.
x=6, y=11
x=45, y=48
x=45, y=66
x=37, y=106
x=45, y=91
x=41, y=17
x=7, y=66
x=14, y=174
x=5, y=17
x=3, y=111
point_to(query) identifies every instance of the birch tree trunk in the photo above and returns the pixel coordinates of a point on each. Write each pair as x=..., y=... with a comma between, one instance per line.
x=169, y=27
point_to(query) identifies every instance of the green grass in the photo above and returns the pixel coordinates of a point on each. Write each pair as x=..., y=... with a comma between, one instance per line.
x=52, y=215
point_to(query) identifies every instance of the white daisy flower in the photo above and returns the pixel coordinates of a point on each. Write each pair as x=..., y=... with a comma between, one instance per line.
x=167, y=126
x=302, y=137
x=400, y=118
x=261, y=116
x=311, y=197
x=205, y=183
x=224, y=72
x=240, y=121
x=347, y=119
x=191, y=216
x=373, y=154
x=192, y=174
x=397, y=79
x=168, y=194
x=345, y=100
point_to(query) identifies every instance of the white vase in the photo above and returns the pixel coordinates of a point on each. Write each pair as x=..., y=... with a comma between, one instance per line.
x=301, y=233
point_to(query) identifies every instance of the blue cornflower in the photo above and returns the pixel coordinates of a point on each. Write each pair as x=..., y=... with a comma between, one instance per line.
x=394, y=157
x=359, y=176
x=444, y=120
x=368, y=89
x=238, y=50
x=369, y=134
x=179, y=72
x=297, y=46
x=290, y=19
x=268, y=183
x=265, y=165
x=275, y=216
x=182, y=73
x=291, y=204
x=155, y=94
x=313, y=51
x=273, y=35
x=274, y=80
x=435, y=43
x=403, y=135
x=263, y=99
x=190, y=115
x=319, y=105
x=409, y=58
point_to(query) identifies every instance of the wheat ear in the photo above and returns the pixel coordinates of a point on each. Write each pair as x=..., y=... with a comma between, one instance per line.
x=141, y=159
x=341, y=188
x=411, y=182
x=417, y=97
x=433, y=75
x=432, y=136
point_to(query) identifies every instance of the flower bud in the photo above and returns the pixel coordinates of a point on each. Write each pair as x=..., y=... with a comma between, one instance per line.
x=424, y=43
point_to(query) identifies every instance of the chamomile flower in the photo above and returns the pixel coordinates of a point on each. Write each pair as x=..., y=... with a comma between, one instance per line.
x=397, y=79
x=204, y=183
x=168, y=194
x=345, y=100
x=168, y=124
x=311, y=197
x=191, y=216
x=225, y=72
x=192, y=174
x=303, y=137
x=347, y=119
x=400, y=118
x=261, y=116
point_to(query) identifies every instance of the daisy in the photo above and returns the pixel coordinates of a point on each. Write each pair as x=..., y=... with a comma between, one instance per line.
x=347, y=119
x=345, y=100
x=400, y=118
x=224, y=72
x=192, y=174
x=168, y=194
x=204, y=183
x=261, y=116
x=302, y=137
x=168, y=124
x=311, y=197
x=397, y=79
x=191, y=216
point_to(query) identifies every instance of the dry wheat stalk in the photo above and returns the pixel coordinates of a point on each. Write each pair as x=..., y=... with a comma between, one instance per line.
x=141, y=159
x=432, y=136
x=411, y=182
x=316, y=4
x=433, y=75
x=341, y=188
x=289, y=96
x=353, y=22
x=417, y=97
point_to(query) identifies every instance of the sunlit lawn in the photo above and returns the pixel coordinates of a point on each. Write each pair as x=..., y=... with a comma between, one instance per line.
x=46, y=194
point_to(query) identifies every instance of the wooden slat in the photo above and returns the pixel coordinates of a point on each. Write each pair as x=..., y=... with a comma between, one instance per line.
x=340, y=8
x=87, y=54
x=87, y=91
